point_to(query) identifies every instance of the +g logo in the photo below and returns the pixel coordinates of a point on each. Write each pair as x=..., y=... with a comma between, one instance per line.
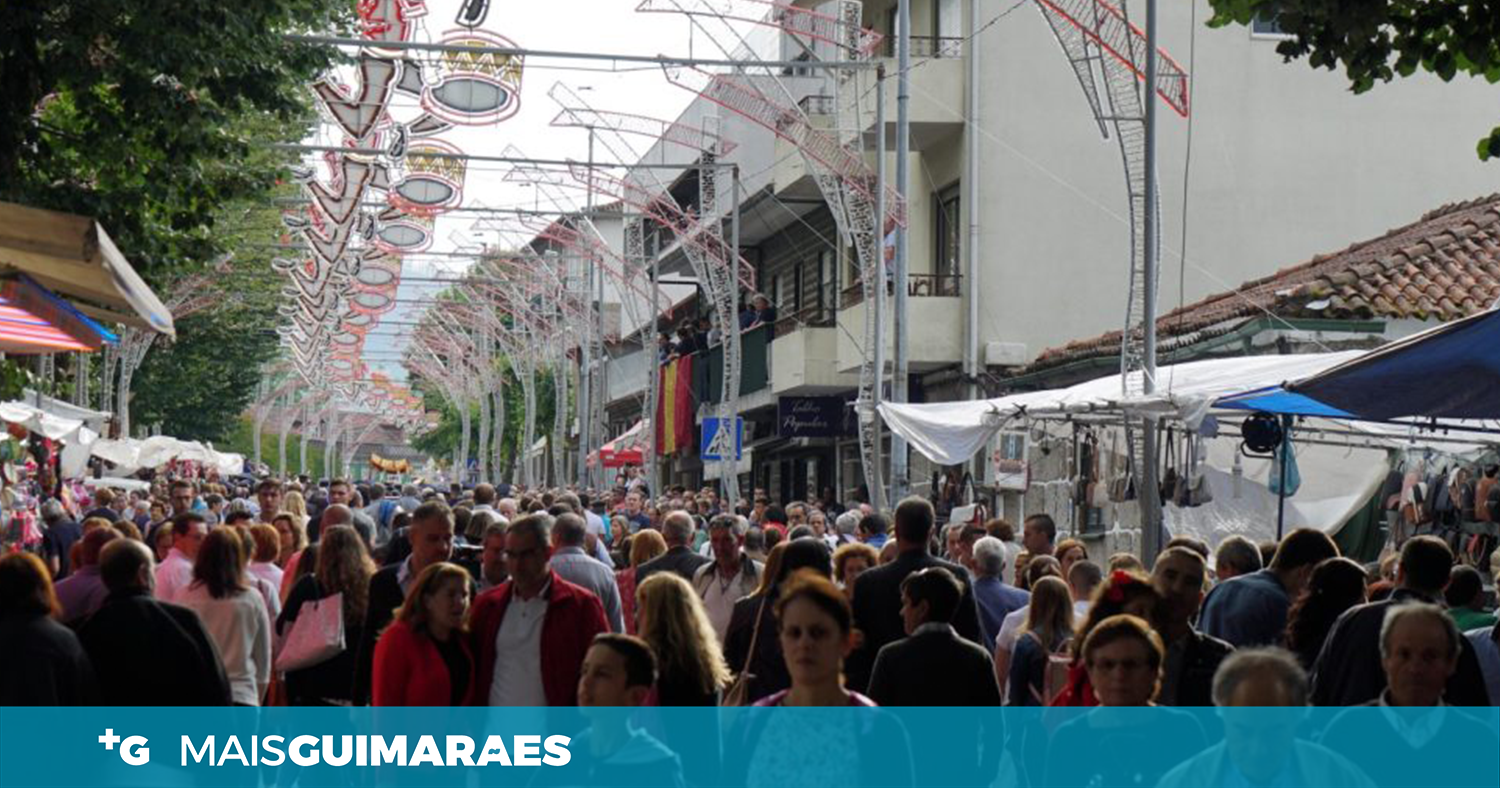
x=132, y=748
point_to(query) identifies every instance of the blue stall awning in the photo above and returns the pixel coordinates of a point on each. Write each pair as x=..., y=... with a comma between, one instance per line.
x=1451, y=371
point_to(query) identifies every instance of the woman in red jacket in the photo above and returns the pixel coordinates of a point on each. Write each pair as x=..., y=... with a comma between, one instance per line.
x=423, y=657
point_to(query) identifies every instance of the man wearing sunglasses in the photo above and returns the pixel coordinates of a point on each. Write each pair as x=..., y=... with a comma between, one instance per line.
x=532, y=631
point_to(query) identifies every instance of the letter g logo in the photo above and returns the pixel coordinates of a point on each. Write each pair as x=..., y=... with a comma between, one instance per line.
x=133, y=751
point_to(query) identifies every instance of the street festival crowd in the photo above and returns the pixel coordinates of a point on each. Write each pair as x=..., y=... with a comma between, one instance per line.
x=328, y=593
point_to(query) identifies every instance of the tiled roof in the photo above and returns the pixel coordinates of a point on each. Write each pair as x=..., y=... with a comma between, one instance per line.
x=1443, y=267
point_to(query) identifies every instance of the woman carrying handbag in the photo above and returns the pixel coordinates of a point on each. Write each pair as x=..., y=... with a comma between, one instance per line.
x=319, y=671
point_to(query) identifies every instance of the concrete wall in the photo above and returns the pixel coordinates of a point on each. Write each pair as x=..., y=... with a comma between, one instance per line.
x=1286, y=164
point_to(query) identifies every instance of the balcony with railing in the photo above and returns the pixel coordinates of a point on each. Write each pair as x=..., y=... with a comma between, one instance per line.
x=927, y=47
x=934, y=322
x=917, y=286
x=804, y=354
x=937, y=77
x=708, y=366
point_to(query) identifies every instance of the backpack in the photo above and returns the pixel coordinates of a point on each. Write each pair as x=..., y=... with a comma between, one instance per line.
x=1491, y=505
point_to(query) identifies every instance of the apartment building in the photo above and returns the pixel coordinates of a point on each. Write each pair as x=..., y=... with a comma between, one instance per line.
x=1284, y=163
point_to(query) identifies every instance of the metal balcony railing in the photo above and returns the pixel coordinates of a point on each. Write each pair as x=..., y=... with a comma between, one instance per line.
x=917, y=286
x=926, y=47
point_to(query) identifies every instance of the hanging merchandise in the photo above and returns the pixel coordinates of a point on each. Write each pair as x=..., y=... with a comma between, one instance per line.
x=1285, y=484
x=1122, y=478
x=1198, y=492
x=1237, y=476
x=1098, y=490
x=1169, y=477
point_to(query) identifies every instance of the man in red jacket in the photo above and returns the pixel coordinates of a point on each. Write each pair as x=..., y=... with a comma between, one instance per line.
x=532, y=631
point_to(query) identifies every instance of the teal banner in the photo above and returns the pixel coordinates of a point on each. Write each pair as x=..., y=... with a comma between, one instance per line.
x=770, y=747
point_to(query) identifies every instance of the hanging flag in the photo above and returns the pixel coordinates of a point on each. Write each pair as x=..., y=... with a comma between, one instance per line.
x=674, y=406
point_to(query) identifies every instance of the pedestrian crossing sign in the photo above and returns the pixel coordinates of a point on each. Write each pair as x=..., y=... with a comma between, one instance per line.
x=723, y=439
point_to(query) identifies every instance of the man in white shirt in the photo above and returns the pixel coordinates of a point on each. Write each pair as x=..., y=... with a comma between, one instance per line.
x=531, y=633
x=569, y=534
x=731, y=577
x=176, y=573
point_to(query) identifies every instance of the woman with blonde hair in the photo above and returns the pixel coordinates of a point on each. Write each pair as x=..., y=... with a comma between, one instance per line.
x=343, y=567
x=293, y=503
x=291, y=537
x=644, y=546
x=1048, y=628
x=423, y=658
x=670, y=617
x=690, y=667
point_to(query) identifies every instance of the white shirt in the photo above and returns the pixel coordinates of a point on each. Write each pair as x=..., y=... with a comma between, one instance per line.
x=174, y=576
x=241, y=629
x=270, y=594
x=1008, y=573
x=517, y=680
x=719, y=596
x=1010, y=628
x=269, y=572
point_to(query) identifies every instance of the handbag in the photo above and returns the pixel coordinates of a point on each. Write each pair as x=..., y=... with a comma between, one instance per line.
x=317, y=635
x=739, y=692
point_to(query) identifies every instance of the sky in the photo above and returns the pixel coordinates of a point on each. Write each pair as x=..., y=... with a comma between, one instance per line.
x=611, y=26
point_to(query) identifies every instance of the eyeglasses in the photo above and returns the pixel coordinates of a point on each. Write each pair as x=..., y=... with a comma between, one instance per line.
x=517, y=555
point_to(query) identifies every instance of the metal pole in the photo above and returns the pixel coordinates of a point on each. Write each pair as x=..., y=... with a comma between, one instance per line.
x=586, y=351
x=971, y=206
x=654, y=467
x=898, y=316
x=1151, y=532
x=731, y=491
x=877, y=495
x=1286, y=450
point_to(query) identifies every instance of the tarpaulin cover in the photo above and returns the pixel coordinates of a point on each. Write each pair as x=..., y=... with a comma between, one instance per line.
x=950, y=433
x=1451, y=371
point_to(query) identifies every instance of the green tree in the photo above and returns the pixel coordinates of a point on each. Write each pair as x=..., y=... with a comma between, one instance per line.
x=442, y=440
x=1378, y=40
x=149, y=115
x=135, y=112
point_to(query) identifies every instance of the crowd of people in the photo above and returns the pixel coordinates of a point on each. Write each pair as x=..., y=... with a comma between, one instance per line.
x=337, y=594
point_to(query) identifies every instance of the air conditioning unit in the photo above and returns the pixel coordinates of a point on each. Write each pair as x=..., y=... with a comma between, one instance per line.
x=1005, y=354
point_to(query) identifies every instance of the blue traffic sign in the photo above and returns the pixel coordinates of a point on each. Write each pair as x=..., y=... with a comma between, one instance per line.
x=722, y=440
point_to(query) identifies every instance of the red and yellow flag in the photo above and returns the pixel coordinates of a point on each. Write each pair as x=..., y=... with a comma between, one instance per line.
x=674, y=406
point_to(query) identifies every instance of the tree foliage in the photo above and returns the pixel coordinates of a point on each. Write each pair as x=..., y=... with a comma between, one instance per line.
x=135, y=112
x=442, y=440
x=1378, y=40
x=151, y=117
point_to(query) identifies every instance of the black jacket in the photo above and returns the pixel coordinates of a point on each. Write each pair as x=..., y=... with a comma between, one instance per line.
x=877, y=610
x=679, y=559
x=1200, y=660
x=42, y=664
x=765, y=663
x=936, y=667
x=332, y=678
x=385, y=598
x=132, y=636
x=1348, y=671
